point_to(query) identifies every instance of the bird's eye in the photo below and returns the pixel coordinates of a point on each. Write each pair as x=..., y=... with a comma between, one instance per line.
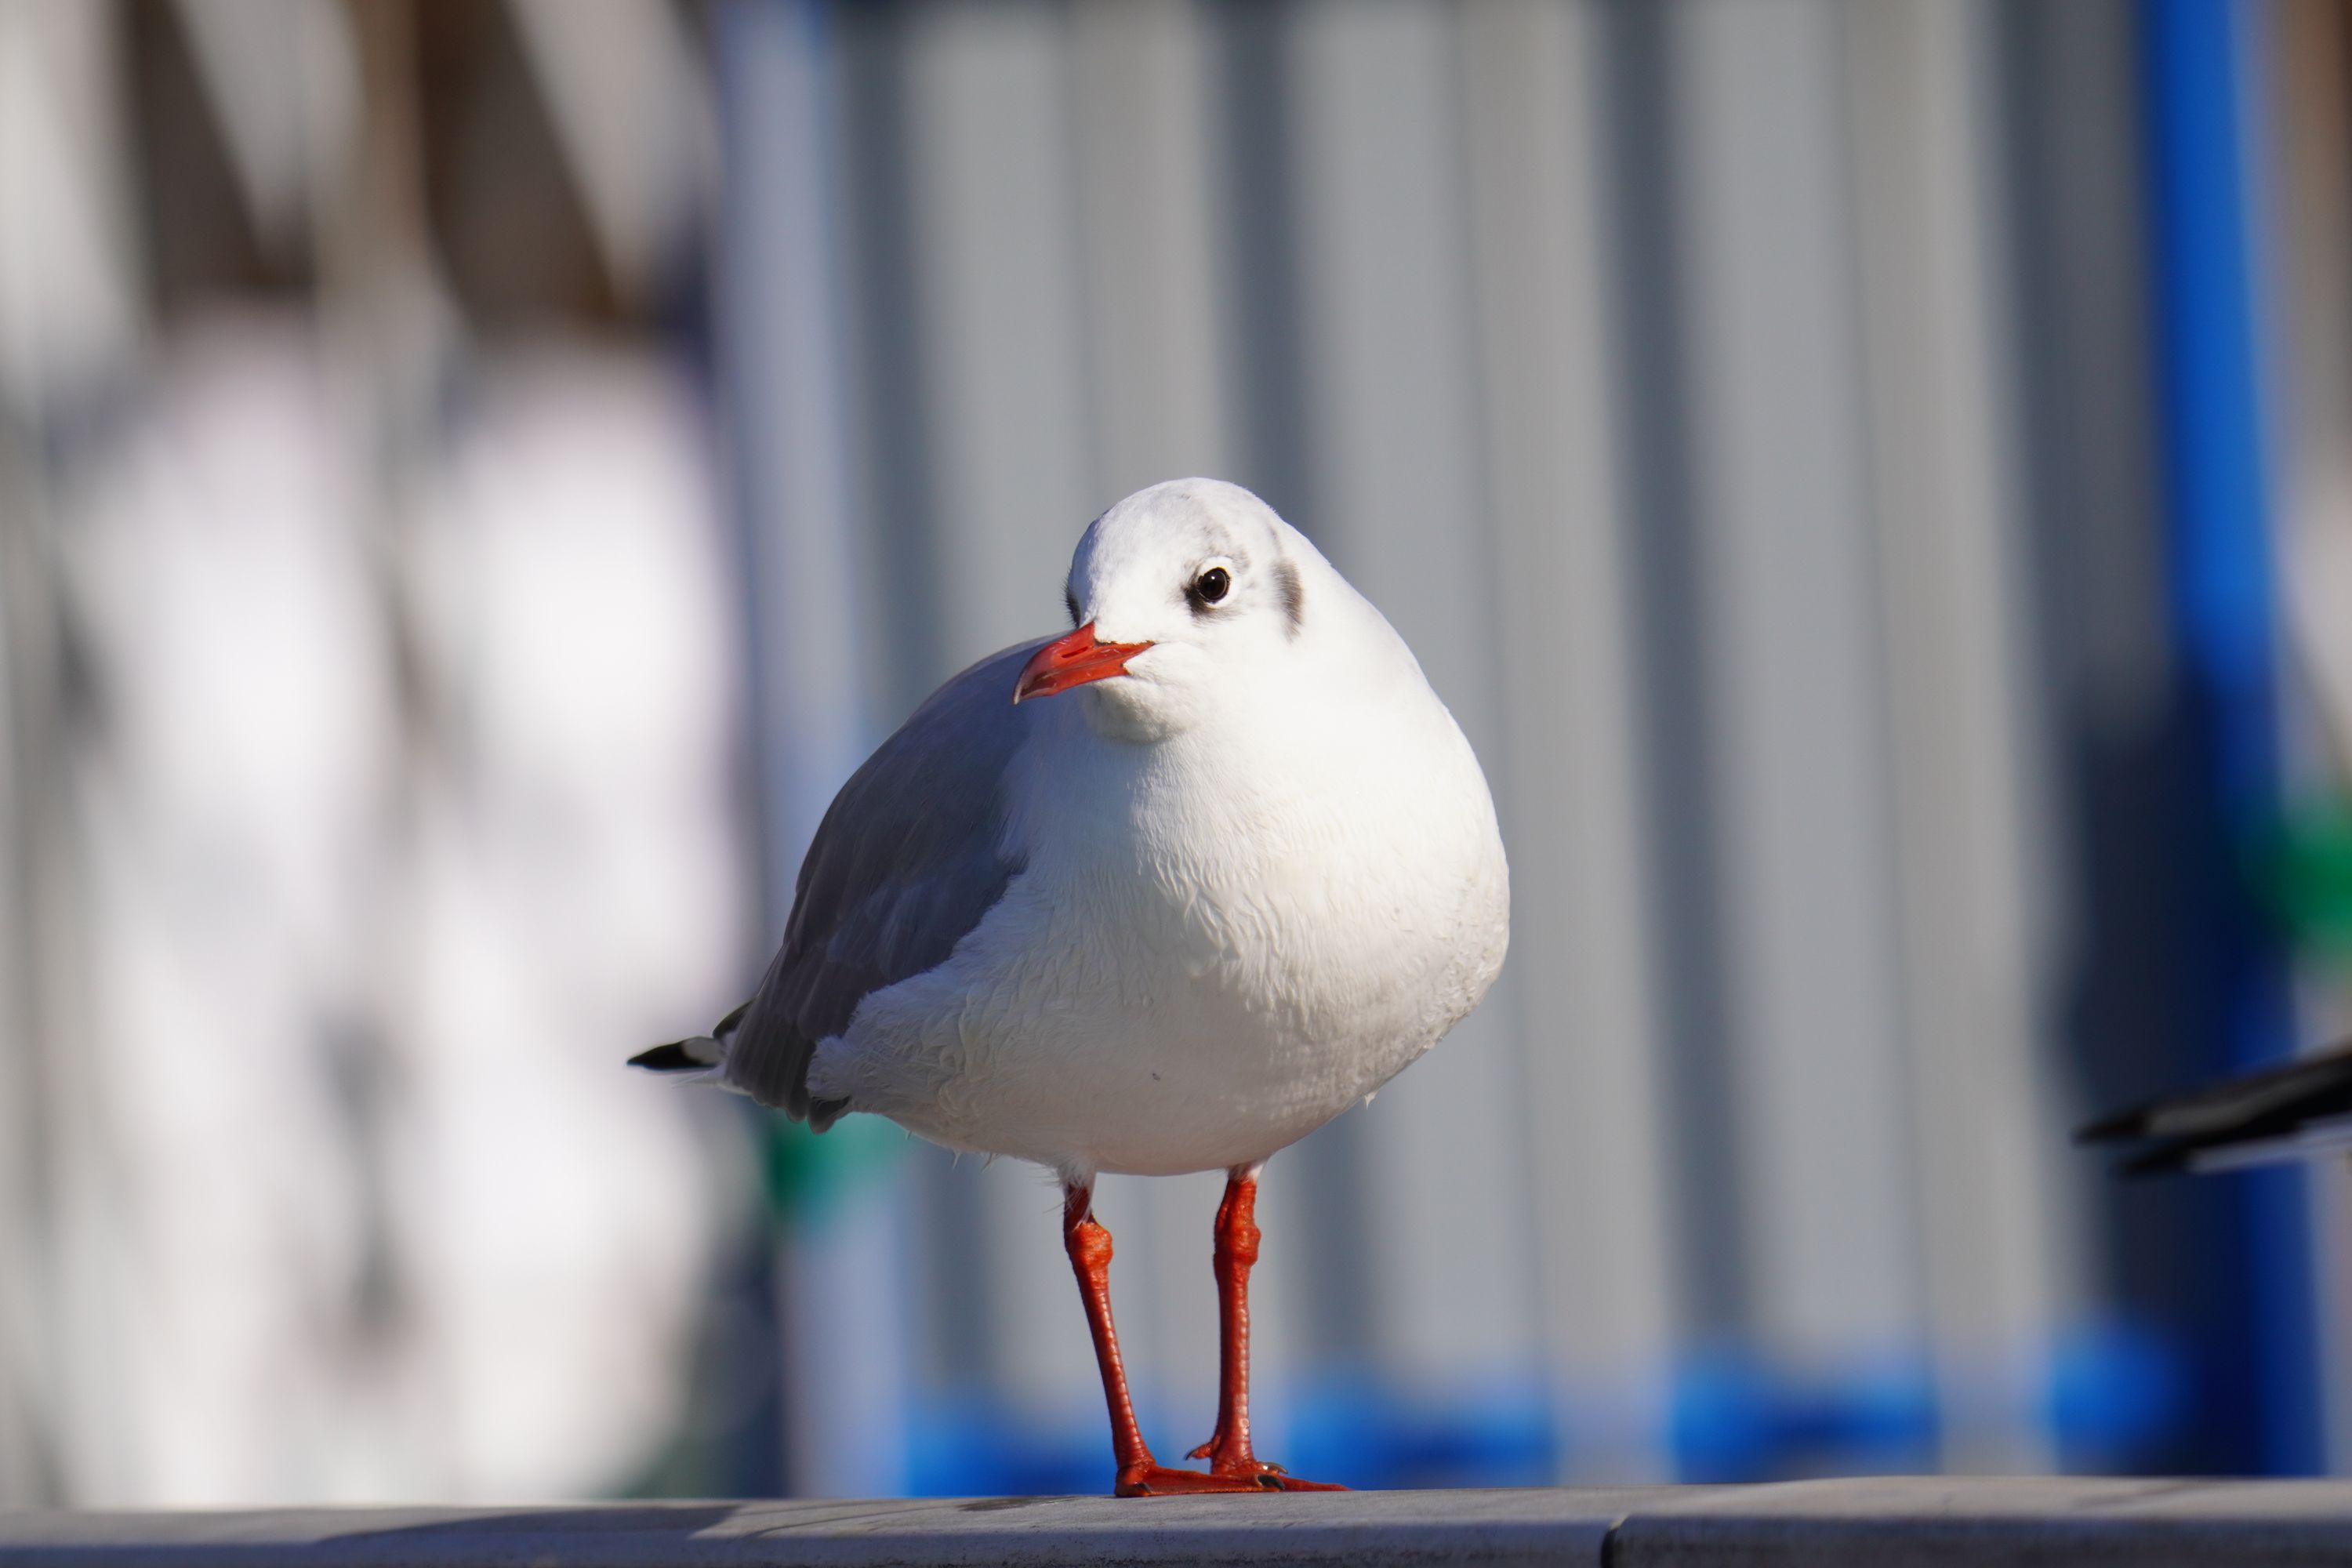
x=1212, y=585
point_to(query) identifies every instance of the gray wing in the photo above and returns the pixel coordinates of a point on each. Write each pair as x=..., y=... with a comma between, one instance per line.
x=910, y=857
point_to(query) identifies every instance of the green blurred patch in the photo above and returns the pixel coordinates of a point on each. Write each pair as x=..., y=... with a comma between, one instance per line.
x=2305, y=873
x=804, y=1173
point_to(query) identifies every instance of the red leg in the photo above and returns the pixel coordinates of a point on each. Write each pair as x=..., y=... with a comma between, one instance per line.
x=1228, y=1452
x=1139, y=1473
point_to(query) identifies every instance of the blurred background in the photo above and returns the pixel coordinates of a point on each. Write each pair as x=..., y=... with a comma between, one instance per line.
x=1874, y=479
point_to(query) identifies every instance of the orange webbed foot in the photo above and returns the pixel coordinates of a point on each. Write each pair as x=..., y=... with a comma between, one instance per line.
x=1159, y=1480
x=1229, y=1470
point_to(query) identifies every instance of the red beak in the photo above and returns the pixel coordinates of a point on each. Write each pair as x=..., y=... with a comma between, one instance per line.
x=1072, y=661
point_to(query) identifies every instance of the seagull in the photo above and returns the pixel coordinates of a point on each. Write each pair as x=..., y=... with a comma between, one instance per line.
x=2299, y=1111
x=1163, y=894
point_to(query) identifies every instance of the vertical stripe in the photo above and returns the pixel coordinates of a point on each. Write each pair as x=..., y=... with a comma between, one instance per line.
x=2312, y=51
x=997, y=276
x=1399, y=504
x=844, y=1325
x=2218, y=513
x=1574, y=811
x=1799, y=791
x=1974, y=942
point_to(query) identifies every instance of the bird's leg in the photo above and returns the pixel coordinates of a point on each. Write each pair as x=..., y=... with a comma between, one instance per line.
x=1235, y=1250
x=1228, y=1451
x=1090, y=1247
x=1139, y=1473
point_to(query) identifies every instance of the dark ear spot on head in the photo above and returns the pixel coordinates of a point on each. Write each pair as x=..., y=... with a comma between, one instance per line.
x=1070, y=597
x=1286, y=582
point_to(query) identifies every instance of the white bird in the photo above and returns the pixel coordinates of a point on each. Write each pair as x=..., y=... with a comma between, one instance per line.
x=1238, y=878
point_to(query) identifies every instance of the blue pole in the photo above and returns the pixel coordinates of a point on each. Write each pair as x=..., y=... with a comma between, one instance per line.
x=2260, y=1355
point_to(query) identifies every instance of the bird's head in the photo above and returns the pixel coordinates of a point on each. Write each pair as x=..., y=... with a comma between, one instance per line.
x=1173, y=593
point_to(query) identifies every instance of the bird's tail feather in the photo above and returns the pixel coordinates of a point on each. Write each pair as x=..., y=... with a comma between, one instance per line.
x=702, y=1053
x=699, y=1054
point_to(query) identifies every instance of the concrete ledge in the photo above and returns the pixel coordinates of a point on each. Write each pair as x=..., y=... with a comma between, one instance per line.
x=1949, y=1522
x=1946, y=1521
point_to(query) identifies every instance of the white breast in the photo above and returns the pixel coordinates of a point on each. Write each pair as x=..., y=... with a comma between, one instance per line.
x=1220, y=942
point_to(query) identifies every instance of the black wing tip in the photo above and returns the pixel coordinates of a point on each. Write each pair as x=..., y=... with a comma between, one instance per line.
x=2132, y=1123
x=2159, y=1156
x=671, y=1058
x=2255, y=1107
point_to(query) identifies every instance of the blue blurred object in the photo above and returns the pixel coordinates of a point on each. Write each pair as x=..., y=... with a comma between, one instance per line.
x=1736, y=1416
x=2112, y=1391
x=1362, y=1430
x=2259, y=1346
x=970, y=1445
x=1352, y=1428
x=2115, y=1389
